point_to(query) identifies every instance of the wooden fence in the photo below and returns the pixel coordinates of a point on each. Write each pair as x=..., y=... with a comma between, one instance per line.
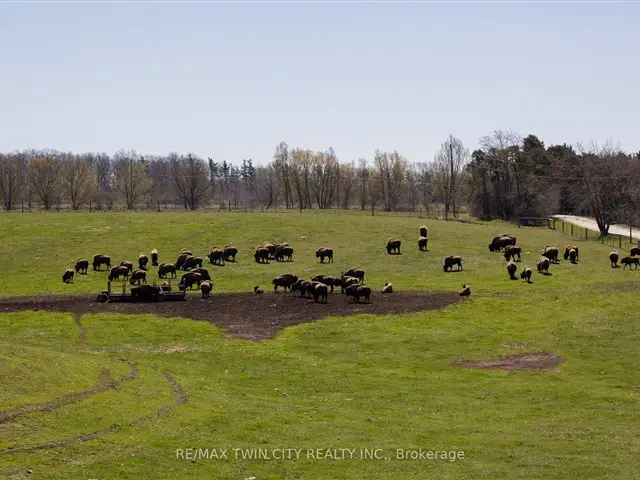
x=574, y=231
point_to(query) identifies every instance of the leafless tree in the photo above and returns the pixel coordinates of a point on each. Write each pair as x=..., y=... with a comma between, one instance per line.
x=130, y=177
x=78, y=180
x=191, y=181
x=449, y=163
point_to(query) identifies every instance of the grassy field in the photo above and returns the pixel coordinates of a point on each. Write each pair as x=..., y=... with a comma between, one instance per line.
x=380, y=382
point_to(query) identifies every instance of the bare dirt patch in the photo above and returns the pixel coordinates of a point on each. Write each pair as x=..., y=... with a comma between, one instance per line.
x=245, y=315
x=522, y=361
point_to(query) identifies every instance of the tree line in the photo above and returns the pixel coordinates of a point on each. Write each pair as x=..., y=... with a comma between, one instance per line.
x=507, y=177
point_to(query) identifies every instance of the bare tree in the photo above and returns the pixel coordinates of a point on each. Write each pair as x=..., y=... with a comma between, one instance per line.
x=190, y=177
x=130, y=177
x=44, y=178
x=449, y=162
x=78, y=180
x=12, y=178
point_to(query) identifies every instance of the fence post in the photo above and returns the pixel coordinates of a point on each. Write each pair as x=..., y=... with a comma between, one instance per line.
x=586, y=234
x=620, y=242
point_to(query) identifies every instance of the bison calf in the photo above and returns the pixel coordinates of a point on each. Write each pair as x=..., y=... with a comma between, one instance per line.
x=67, y=276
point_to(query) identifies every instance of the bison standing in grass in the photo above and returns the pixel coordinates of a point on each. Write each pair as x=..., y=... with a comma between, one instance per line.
x=283, y=253
x=629, y=262
x=501, y=241
x=261, y=255
x=422, y=244
x=635, y=251
x=393, y=247
x=128, y=264
x=206, y=287
x=511, y=252
x=138, y=277
x=204, y=272
x=526, y=274
x=511, y=270
x=82, y=266
x=325, y=252
x=192, y=262
x=143, y=261
x=328, y=280
x=154, y=257
x=285, y=281
x=189, y=279
x=121, y=271
x=181, y=259
x=543, y=265
x=613, y=258
x=167, y=269
x=551, y=253
x=216, y=256
x=450, y=262
x=230, y=253
x=100, y=260
x=424, y=232
x=357, y=292
x=67, y=276
x=346, y=282
x=355, y=272
x=320, y=292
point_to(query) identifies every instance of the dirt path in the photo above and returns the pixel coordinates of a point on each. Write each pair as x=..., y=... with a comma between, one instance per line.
x=245, y=315
x=590, y=224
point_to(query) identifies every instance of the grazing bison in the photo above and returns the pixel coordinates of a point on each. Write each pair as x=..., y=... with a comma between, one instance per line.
x=303, y=287
x=230, y=253
x=283, y=253
x=511, y=252
x=205, y=287
x=119, y=271
x=526, y=274
x=285, y=281
x=393, y=247
x=261, y=255
x=181, y=259
x=573, y=255
x=191, y=263
x=320, y=292
x=424, y=232
x=257, y=290
x=551, y=253
x=143, y=260
x=154, y=257
x=501, y=241
x=567, y=253
x=202, y=271
x=325, y=252
x=67, y=276
x=82, y=266
x=450, y=262
x=346, y=281
x=100, y=260
x=167, y=269
x=189, y=279
x=357, y=292
x=355, y=272
x=543, y=265
x=422, y=244
x=629, y=261
x=128, y=264
x=138, y=277
x=216, y=256
x=635, y=251
x=613, y=258
x=388, y=288
x=466, y=290
x=328, y=280
x=511, y=270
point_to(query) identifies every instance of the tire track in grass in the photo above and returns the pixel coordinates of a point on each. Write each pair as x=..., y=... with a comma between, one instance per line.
x=180, y=397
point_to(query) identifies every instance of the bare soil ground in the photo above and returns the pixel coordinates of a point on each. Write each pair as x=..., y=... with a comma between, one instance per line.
x=245, y=315
x=531, y=361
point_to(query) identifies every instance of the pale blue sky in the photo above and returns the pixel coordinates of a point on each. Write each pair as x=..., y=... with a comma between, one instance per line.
x=234, y=80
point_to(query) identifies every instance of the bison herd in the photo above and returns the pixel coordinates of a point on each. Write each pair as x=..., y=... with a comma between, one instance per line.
x=351, y=283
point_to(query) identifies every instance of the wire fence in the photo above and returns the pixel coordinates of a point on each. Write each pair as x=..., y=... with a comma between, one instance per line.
x=582, y=233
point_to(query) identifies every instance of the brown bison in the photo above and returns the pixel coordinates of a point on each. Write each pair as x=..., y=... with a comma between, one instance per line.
x=551, y=253
x=424, y=232
x=466, y=290
x=325, y=252
x=191, y=263
x=67, y=276
x=573, y=255
x=257, y=290
x=138, y=277
x=543, y=265
x=202, y=271
x=328, y=280
x=422, y=244
x=283, y=253
x=630, y=261
x=205, y=287
x=82, y=266
x=128, y=264
x=501, y=241
x=526, y=274
x=100, y=260
x=393, y=247
x=613, y=258
x=181, y=259
x=230, y=253
x=511, y=270
x=320, y=292
x=118, y=272
x=261, y=255
x=450, y=262
x=357, y=292
x=167, y=269
x=154, y=257
x=143, y=261
x=189, y=279
x=216, y=256
x=347, y=281
x=285, y=281
x=355, y=272
x=635, y=251
x=511, y=252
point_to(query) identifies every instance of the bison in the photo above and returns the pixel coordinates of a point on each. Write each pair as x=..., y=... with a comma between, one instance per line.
x=328, y=280
x=635, y=251
x=567, y=253
x=424, y=232
x=501, y=241
x=551, y=253
x=167, y=269
x=143, y=261
x=543, y=265
x=205, y=287
x=526, y=274
x=355, y=272
x=82, y=266
x=261, y=255
x=138, y=277
x=285, y=281
x=67, y=276
x=320, y=292
x=100, y=260
x=119, y=271
x=128, y=264
x=357, y=292
x=466, y=290
x=189, y=279
x=325, y=252
x=422, y=244
x=393, y=247
x=283, y=253
x=347, y=281
x=216, y=256
x=202, y=271
x=511, y=252
x=450, y=262
x=629, y=261
x=613, y=258
x=511, y=270
x=230, y=253
x=388, y=288
x=257, y=290
x=181, y=259
x=191, y=263
x=154, y=257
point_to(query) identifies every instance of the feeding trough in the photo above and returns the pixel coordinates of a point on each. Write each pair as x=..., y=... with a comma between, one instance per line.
x=141, y=293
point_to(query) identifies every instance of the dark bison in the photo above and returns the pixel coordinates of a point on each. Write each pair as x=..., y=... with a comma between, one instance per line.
x=613, y=258
x=573, y=255
x=346, y=281
x=284, y=253
x=511, y=252
x=100, y=260
x=357, y=292
x=543, y=265
x=191, y=263
x=181, y=259
x=261, y=255
x=143, y=261
x=511, y=270
x=552, y=253
x=450, y=262
x=501, y=241
x=82, y=266
x=202, y=271
x=635, y=251
x=119, y=271
x=325, y=252
x=422, y=244
x=285, y=281
x=328, y=280
x=230, y=253
x=138, y=277
x=154, y=257
x=355, y=272
x=567, y=253
x=526, y=274
x=630, y=261
x=216, y=256
x=67, y=276
x=320, y=292
x=205, y=287
x=167, y=269
x=424, y=232
x=128, y=264
x=189, y=279
x=466, y=290
x=393, y=247
x=148, y=293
